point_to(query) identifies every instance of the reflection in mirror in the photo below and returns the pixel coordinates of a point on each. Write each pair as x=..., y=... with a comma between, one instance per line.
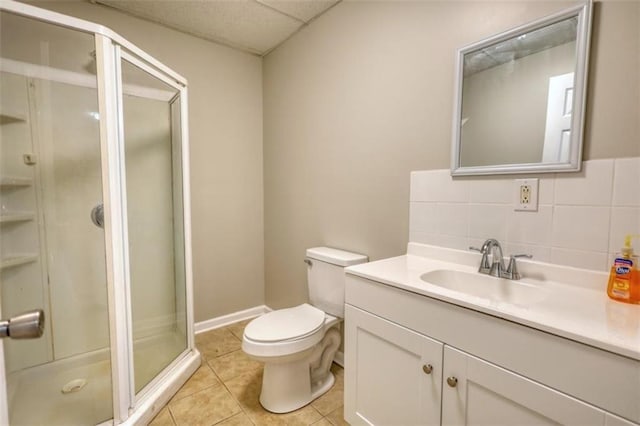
x=517, y=95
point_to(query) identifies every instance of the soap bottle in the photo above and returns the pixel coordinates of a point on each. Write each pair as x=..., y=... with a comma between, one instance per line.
x=624, y=279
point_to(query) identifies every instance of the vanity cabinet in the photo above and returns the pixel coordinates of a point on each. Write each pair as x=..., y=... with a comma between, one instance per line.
x=396, y=373
x=450, y=366
x=485, y=394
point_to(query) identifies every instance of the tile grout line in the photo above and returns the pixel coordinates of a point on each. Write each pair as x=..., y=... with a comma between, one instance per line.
x=227, y=418
x=238, y=402
x=242, y=409
x=195, y=392
x=171, y=416
x=611, y=202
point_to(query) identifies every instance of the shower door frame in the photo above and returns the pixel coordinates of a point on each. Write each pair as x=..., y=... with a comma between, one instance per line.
x=127, y=406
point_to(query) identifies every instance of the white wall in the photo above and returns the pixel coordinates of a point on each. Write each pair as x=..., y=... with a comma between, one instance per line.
x=225, y=119
x=581, y=220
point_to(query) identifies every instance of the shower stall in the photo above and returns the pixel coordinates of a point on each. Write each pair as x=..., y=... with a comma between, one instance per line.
x=94, y=224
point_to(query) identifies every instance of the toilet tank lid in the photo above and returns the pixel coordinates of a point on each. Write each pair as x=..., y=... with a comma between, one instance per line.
x=335, y=256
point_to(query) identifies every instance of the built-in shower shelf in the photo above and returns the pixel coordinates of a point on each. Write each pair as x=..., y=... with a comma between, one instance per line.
x=11, y=261
x=16, y=217
x=14, y=182
x=7, y=117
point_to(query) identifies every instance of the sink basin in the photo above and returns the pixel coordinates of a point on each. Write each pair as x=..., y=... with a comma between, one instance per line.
x=517, y=292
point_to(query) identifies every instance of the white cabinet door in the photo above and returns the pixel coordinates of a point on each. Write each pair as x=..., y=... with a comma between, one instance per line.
x=393, y=376
x=486, y=394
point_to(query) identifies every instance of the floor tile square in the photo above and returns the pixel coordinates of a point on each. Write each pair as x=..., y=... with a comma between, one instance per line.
x=233, y=364
x=237, y=329
x=217, y=342
x=239, y=419
x=246, y=387
x=163, y=418
x=203, y=378
x=336, y=417
x=328, y=402
x=204, y=408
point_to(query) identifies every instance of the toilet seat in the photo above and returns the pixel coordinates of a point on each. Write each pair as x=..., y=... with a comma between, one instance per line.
x=285, y=324
x=297, y=333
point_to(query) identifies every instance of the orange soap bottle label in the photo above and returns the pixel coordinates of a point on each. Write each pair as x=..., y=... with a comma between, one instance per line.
x=620, y=280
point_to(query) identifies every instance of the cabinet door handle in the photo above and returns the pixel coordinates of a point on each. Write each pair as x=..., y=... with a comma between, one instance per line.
x=452, y=381
x=427, y=368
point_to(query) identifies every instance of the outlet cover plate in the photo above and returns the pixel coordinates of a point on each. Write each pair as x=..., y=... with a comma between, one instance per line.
x=526, y=195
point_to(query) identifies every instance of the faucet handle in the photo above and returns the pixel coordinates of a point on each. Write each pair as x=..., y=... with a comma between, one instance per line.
x=515, y=256
x=512, y=270
x=484, y=262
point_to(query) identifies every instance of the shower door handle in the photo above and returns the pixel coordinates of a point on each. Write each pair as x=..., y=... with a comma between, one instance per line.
x=97, y=215
x=28, y=325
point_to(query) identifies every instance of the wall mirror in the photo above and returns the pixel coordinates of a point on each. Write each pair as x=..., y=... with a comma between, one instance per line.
x=520, y=98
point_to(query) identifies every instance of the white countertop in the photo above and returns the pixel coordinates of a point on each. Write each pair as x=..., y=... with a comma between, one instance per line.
x=576, y=305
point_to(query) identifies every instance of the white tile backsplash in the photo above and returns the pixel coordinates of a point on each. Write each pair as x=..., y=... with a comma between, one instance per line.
x=546, y=189
x=422, y=217
x=487, y=221
x=449, y=241
x=452, y=219
x=420, y=237
x=579, y=258
x=626, y=188
x=437, y=186
x=490, y=191
x=539, y=253
x=530, y=227
x=581, y=227
x=581, y=219
x=624, y=221
x=591, y=187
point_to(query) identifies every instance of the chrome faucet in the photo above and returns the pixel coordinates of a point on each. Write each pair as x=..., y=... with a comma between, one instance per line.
x=496, y=268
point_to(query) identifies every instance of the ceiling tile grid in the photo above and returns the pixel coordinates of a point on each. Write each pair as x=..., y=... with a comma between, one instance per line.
x=304, y=10
x=255, y=26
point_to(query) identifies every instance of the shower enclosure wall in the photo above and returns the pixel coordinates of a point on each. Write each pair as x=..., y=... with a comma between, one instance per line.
x=94, y=223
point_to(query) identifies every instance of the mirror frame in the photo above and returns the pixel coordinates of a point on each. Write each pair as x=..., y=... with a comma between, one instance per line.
x=583, y=13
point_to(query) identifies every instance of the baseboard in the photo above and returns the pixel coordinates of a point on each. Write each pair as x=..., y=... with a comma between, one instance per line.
x=339, y=358
x=223, y=320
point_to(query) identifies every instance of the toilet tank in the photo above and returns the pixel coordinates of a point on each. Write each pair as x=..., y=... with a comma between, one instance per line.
x=325, y=277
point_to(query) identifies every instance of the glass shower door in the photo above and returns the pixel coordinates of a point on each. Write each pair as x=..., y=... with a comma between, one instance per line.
x=152, y=141
x=52, y=256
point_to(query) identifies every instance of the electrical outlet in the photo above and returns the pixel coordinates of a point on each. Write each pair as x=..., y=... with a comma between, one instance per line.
x=526, y=195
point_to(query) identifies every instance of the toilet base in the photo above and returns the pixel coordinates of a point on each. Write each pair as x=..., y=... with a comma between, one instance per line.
x=322, y=388
x=287, y=387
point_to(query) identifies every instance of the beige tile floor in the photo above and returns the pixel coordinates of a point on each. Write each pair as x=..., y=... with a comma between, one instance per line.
x=225, y=390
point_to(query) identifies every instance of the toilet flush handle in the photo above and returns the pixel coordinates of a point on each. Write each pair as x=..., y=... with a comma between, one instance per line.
x=308, y=262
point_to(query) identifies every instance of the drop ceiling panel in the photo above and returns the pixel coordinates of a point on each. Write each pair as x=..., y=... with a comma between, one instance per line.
x=304, y=10
x=244, y=24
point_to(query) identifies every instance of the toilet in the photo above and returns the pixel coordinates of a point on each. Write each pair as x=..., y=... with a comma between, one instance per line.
x=297, y=345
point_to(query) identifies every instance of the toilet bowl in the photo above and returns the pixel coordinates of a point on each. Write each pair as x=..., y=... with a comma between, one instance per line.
x=297, y=345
